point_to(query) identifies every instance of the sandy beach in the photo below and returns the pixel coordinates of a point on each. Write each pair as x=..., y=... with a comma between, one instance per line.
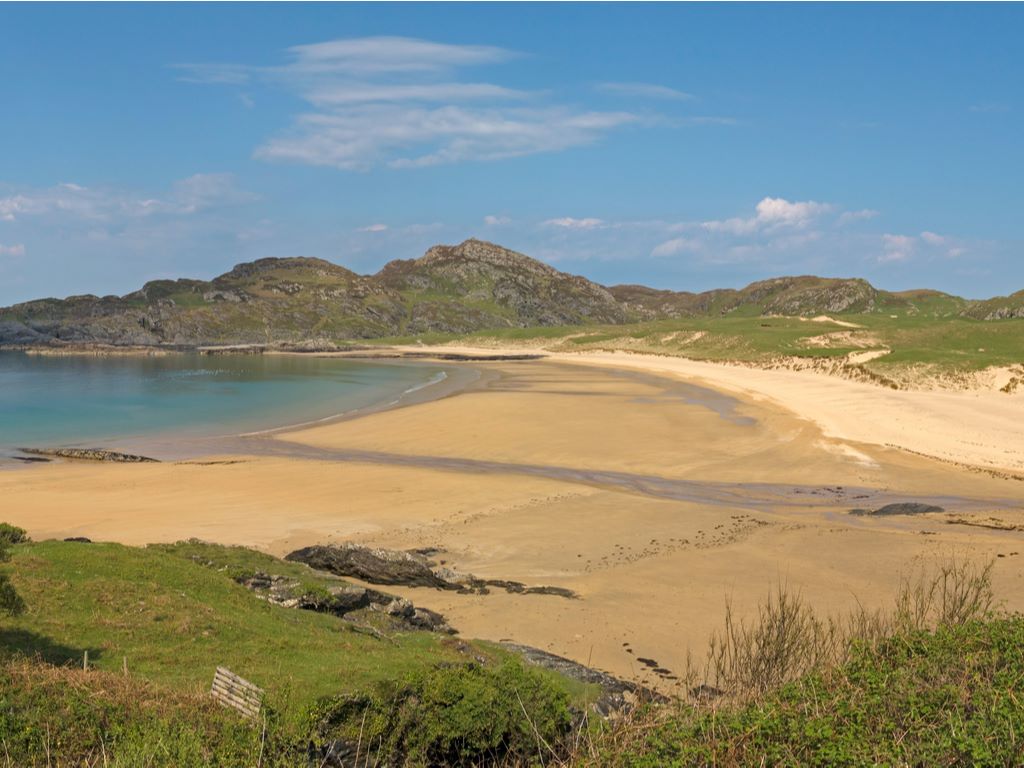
x=653, y=487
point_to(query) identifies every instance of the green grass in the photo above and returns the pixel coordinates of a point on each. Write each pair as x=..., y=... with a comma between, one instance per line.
x=915, y=336
x=175, y=621
x=947, y=697
x=157, y=621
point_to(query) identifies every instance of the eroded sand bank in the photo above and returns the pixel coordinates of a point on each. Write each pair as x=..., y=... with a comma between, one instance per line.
x=652, y=498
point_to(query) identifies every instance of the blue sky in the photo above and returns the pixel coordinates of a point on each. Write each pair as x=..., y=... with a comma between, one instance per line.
x=681, y=146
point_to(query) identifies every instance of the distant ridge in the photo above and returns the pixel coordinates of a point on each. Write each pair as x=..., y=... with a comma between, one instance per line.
x=450, y=289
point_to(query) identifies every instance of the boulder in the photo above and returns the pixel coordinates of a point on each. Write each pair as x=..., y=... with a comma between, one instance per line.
x=376, y=566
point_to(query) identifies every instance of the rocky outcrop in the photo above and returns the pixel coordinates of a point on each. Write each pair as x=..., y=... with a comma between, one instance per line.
x=376, y=566
x=88, y=454
x=408, y=569
x=617, y=696
x=343, y=601
x=901, y=508
x=998, y=308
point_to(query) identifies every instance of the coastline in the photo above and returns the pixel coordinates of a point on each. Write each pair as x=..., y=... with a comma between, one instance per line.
x=975, y=429
x=184, y=443
x=564, y=471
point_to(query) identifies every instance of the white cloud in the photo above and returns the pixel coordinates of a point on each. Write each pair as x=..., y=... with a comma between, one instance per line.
x=933, y=239
x=364, y=93
x=675, y=246
x=897, y=248
x=646, y=90
x=570, y=223
x=776, y=210
x=863, y=214
x=404, y=136
x=399, y=102
x=373, y=228
x=390, y=55
x=12, y=250
x=187, y=196
x=497, y=221
x=770, y=213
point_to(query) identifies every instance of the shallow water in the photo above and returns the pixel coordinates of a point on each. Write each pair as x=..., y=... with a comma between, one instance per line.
x=79, y=400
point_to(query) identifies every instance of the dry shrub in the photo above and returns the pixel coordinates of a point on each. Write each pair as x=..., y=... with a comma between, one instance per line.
x=788, y=639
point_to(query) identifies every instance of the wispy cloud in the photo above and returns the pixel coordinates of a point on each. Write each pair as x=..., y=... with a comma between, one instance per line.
x=864, y=214
x=497, y=221
x=16, y=249
x=644, y=90
x=400, y=102
x=568, y=222
x=190, y=195
x=675, y=246
x=373, y=228
x=897, y=248
x=990, y=106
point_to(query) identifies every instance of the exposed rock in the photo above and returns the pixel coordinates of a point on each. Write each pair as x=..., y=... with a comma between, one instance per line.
x=407, y=569
x=901, y=508
x=377, y=566
x=343, y=600
x=617, y=696
x=88, y=454
x=80, y=539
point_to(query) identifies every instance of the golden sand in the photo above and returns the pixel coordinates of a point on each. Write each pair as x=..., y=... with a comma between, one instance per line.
x=653, y=500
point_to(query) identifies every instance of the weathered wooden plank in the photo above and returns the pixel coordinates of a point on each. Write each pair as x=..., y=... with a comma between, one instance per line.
x=228, y=674
x=243, y=706
x=233, y=691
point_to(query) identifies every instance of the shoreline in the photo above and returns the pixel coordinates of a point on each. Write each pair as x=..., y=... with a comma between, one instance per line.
x=651, y=499
x=970, y=429
x=975, y=430
x=178, y=445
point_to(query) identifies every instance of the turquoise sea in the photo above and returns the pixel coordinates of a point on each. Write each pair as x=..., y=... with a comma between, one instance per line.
x=117, y=401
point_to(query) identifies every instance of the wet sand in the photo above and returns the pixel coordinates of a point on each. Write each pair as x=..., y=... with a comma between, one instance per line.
x=651, y=496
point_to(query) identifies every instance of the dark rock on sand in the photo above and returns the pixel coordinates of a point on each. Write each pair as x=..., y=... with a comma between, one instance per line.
x=901, y=508
x=79, y=539
x=87, y=454
x=617, y=696
x=408, y=569
x=343, y=600
x=377, y=566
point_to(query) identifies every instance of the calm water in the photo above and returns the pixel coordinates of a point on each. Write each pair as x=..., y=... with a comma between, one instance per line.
x=111, y=401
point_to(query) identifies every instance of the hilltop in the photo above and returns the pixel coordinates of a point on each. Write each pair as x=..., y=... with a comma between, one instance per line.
x=458, y=289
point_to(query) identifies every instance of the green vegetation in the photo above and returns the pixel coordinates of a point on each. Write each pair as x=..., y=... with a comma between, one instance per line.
x=946, y=697
x=942, y=345
x=10, y=601
x=156, y=622
x=461, y=715
x=933, y=681
x=172, y=620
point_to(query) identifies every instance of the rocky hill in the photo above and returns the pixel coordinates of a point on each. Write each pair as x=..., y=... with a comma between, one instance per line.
x=450, y=289
x=999, y=308
x=779, y=296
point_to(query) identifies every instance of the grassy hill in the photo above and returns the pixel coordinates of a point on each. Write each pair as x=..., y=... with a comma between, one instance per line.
x=157, y=621
x=459, y=289
x=934, y=683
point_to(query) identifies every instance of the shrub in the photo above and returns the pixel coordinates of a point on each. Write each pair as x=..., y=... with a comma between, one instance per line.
x=12, y=534
x=943, y=697
x=452, y=715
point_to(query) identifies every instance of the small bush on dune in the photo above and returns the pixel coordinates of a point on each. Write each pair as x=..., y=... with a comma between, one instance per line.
x=10, y=601
x=788, y=639
x=12, y=534
x=933, y=681
x=453, y=715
